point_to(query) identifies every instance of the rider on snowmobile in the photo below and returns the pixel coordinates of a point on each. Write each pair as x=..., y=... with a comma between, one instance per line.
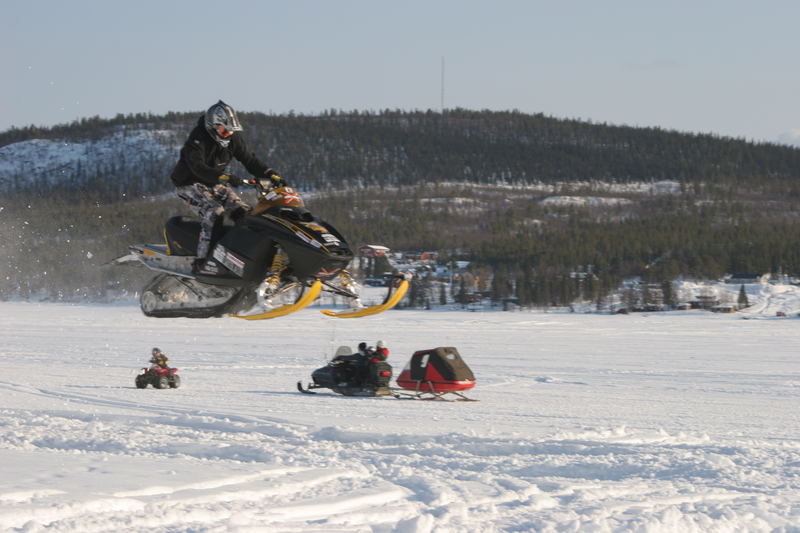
x=364, y=351
x=380, y=353
x=200, y=178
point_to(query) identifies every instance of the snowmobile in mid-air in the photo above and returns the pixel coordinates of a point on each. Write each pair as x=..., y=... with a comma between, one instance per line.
x=278, y=236
x=158, y=377
x=351, y=374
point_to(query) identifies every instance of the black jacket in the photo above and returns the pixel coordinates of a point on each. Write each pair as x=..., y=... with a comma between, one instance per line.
x=203, y=160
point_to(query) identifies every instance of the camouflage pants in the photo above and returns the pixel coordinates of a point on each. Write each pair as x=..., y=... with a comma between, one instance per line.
x=209, y=203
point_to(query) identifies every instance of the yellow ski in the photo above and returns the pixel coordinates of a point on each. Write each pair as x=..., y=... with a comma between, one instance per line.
x=390, y=302
x=309, y=296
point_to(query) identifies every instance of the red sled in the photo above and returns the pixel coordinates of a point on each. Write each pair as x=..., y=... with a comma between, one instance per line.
x=432, y=374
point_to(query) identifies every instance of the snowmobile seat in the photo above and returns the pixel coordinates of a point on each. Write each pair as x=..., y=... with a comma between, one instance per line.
x=182, y=234
x=436, y=372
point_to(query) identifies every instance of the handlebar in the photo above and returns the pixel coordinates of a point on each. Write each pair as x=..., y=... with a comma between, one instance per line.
x=264, y=185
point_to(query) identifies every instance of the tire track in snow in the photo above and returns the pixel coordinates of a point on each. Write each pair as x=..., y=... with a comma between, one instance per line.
x=87, y=399
x=605, y=477
x=277, y=495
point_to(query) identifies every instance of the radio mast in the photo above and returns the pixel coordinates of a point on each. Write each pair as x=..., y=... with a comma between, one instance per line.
x=442, y=84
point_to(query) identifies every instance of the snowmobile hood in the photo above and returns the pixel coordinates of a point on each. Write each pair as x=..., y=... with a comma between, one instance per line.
x=280, y=197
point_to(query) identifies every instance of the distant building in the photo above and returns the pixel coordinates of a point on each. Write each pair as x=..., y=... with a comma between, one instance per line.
x=748, y=278
x=373, y=250
x=704, y=302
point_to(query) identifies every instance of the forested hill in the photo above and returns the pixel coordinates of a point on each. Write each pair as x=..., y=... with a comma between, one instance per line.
x=405, y=148
x=536, y=204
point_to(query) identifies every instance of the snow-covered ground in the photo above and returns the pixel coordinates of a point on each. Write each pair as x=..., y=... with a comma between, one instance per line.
x=680, y=422
x=584, y=201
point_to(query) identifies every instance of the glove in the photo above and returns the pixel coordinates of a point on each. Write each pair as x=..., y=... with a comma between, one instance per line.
x=230, y=179
x=276, y=180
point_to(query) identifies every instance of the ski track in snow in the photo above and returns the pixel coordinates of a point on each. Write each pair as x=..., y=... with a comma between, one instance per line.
x=671, y=422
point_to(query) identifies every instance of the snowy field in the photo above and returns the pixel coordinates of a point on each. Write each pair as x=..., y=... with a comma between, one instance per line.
x=674, y=422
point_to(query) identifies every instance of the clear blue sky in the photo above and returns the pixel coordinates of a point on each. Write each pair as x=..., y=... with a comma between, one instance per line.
x=724, y=67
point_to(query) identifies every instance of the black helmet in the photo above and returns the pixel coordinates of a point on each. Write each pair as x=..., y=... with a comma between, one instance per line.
x=221, y=122
x=362, y=346
x=156, y=351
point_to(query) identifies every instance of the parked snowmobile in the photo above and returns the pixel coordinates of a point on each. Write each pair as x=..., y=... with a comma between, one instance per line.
x=159, y=378
x=351, y=374
x=279, y=235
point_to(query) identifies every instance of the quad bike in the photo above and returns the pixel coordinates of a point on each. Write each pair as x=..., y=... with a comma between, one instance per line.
x=159, y=378
x=271, y=262
x=351, y=374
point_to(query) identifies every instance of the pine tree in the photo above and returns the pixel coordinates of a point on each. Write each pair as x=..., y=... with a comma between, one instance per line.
x=666, y=291
x=743, y=301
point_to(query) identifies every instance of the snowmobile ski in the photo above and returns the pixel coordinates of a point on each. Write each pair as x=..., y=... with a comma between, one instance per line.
x=304, y=390
x=391, y=300
x=306, y=299
x=354, y=391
